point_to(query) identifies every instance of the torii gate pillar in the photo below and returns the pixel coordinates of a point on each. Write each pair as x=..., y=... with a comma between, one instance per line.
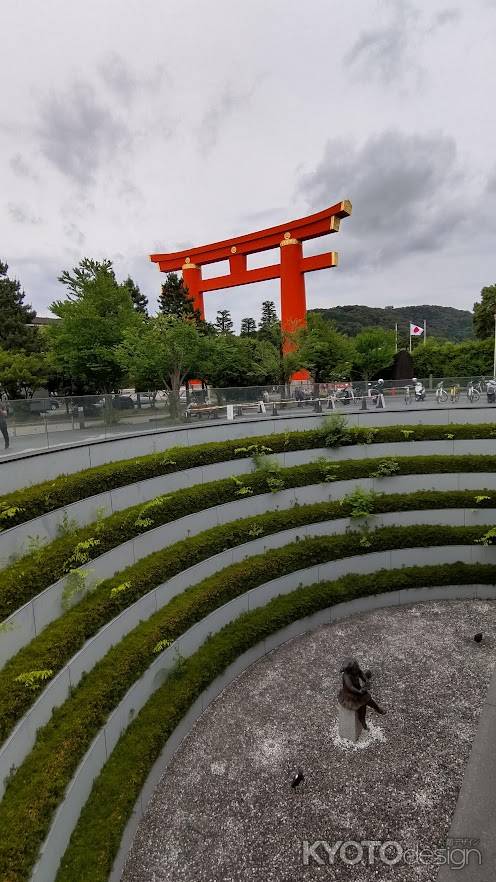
x=293, y=296
x=291, y=269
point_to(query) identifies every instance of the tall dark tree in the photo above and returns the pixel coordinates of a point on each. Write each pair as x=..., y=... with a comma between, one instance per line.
x=15, y=316
x=248, y=327
x=224, y=323
x=269, y=326
x=140, y=301
x=174, y=300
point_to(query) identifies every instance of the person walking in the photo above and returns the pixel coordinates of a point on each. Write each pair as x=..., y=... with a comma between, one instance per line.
x=3, y=424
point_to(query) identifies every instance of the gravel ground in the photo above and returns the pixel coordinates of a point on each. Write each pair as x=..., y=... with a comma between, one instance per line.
x=225, y=812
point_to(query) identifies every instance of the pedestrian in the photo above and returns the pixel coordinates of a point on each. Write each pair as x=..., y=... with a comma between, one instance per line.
x=3, y=424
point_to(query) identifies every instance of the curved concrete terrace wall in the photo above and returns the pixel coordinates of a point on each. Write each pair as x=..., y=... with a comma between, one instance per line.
x=22, y=738
x=253, y=655
x=44, y=527
x=24, y=469
x=30, y=619
x=102, y=746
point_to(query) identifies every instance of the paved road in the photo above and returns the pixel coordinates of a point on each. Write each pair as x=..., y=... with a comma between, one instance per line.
x=54, y=432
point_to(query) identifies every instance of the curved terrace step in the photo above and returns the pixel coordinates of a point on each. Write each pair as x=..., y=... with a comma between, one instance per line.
x=21, y=740
x=85, y=511
x=102, y=746
x=30, y=619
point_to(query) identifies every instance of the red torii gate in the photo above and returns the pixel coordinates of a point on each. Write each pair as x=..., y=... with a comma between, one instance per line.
x=290, y=270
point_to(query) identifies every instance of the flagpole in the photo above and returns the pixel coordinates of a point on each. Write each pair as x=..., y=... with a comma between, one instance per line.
x=410, y=337
x=425, y=331
x=396, y=336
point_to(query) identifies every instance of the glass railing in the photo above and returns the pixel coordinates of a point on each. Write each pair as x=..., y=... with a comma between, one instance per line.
x=50, y=421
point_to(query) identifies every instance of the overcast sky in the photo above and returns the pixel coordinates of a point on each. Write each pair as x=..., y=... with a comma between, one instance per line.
x=132, y=127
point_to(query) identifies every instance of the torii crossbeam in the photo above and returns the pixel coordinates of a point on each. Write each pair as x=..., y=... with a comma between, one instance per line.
x=290, y=270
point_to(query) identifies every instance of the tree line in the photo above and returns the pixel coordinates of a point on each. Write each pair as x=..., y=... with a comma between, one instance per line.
x=105, y=339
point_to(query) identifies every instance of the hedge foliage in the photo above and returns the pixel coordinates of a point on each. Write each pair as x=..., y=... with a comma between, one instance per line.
x=31, y=574
x=60, y=640
x=39, y=785
x=30, y=502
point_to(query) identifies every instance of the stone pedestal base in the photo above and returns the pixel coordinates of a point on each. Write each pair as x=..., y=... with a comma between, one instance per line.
x=349, y=724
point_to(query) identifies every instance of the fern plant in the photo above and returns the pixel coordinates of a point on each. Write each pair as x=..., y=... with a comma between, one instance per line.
x=241, y=490
x=143, y=521
x=335, y=430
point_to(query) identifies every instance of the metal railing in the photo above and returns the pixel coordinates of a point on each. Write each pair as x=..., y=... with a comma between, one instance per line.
x=49, y=421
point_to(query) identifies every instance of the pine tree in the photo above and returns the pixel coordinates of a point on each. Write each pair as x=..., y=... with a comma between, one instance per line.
x=248, y=327
x=140, y=301
x=174, y=300
x=15, y=316
x=269, y=327
x=223, y=322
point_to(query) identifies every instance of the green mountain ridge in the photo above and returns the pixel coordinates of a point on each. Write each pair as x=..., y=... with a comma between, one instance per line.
x=442, y=321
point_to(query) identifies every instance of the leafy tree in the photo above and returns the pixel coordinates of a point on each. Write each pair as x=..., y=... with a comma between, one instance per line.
x=248, y=327
x=92, y=322
x=374, y=350
x=15, y=316
x=323, y=351
x=241, y=361
x=140, y=301
x=162, y=353
x=472, y=358
x=21, y=373
x=223, y=322
x=175, y=301
x=484, y=313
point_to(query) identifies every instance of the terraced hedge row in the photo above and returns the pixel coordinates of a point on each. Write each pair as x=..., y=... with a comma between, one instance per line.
x=38, y=786
x=96, y=838
x=30, y=502
x=33, y=573
x=59, y=641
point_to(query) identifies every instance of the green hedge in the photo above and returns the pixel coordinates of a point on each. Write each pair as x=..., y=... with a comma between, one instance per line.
x=30, y=502
x=97, y=836
x=60, y=640
x=38, y=786
x=33, y=573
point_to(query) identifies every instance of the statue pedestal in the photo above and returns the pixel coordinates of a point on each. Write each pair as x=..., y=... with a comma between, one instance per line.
x=349, y=726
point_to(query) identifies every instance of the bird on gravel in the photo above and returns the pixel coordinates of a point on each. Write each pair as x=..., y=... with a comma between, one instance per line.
x=298, y=778
x=478, y=637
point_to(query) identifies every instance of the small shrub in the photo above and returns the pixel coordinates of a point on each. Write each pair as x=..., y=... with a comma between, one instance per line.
x=162, y=644
x=82, y=553
x=480, y=499
x=335, y=430
x=360, y=502
x=34, y=679
x=407, y=433
x=119, y=589
x=385, y=468
x=66, y=526
x=241, y=489
x=328, y=470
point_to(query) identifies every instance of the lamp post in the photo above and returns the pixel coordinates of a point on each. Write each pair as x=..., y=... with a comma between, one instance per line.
x=494, y=361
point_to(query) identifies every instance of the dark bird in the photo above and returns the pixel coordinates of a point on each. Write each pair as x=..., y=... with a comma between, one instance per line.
x=478, y=637
x=298, y=778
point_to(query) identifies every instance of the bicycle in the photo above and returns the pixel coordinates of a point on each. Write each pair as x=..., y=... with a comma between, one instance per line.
x=441, y=394
x=454, y=392
x=474, y=391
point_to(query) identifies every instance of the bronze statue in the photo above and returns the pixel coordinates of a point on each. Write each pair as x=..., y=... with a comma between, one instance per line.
x=355, y=696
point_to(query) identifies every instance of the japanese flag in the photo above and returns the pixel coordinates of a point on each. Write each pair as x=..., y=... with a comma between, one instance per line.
x=415, y=330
